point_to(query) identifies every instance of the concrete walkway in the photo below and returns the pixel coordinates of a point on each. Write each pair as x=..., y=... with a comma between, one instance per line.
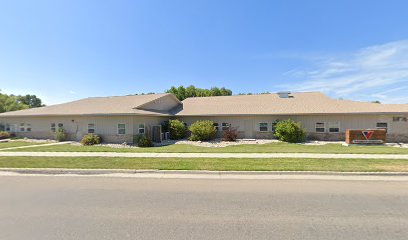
x=202, y=155
x=36, y=145
x=191, y=174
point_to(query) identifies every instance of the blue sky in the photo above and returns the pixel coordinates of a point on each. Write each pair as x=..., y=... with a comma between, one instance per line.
x=65, y=50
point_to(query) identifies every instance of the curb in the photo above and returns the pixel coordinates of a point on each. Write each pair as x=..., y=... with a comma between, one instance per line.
x=93, y=172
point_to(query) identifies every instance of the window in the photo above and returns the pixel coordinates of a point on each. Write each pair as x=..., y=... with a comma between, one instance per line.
x=60, y=125
x=263, y=127
x=28, y=128
x=53, y=127
x=91, y=127
x=382, y=125
x=22, y=127
x=7, y=127
x=216, y=126
x=142, y=128
x=334, y=127
x=225, y=126
x=121, y=128
x=320, y=127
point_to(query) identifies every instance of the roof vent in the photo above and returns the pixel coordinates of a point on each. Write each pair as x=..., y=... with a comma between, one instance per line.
x=283, y=94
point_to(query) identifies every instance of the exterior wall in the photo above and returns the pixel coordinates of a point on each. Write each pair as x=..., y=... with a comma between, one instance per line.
x=248, y=126
x=77, y=126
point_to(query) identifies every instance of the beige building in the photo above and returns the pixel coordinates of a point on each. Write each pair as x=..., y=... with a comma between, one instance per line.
x=118, y=119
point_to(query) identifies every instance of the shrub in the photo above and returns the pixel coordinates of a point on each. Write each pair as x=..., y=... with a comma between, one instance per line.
x=177, y=129
x=165, y=126
x=4, y=135
x=60, y=135
x=202, y=130
x=230, y=135
x=289, y=131
x=136, y=138
x=145, y=142
x=91, y=139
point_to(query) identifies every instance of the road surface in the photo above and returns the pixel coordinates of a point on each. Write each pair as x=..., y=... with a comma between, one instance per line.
x=129, y=208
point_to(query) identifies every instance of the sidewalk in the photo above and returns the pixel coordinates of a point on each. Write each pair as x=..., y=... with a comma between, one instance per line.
x=226, y=175
x=36, y=145
x=203, y=155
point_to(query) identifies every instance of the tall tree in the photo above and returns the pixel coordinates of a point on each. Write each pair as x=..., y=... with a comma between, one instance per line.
x=30, y=100
x=13, y=103
x=191, y=91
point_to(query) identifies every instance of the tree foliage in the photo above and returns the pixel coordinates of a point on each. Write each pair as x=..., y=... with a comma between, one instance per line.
x=12, y=103
x=182, y=92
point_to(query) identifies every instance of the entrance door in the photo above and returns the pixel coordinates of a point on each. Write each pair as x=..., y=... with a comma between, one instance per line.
x=156, y=134
x=249, y=129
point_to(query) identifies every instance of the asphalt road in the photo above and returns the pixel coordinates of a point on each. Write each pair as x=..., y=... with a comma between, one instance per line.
x=129, y=208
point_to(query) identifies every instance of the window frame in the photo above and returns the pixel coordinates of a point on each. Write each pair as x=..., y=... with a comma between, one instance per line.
x=259, y=127
x=28, y=127
x=385, y=128
x=324, y=127
x=216, y=126
x=139, y=128
x=119, y=128
x=21, y=127
x=53, y=127
x=225, y=126
x=330, y=127
x=94, y=128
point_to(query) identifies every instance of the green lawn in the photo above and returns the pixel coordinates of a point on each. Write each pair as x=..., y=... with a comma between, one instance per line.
x=342, y=165
x=16, y=144
x=250, y=148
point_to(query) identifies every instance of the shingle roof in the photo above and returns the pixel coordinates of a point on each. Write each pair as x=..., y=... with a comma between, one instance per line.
x=298, y=103
x=264, y=104
x=122, y=105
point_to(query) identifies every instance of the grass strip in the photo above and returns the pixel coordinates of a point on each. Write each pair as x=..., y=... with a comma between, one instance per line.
x=248, y=148
x=215, y=164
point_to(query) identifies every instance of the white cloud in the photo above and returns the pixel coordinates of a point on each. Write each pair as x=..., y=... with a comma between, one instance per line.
x=71, y=92
x=374, y=73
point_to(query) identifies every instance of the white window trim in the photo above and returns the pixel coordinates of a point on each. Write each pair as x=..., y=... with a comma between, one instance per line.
x=87, y=128
x=387, y=129
x=144, y=128
x=228, y=126
x=28, y=126
x=117, y=129
x=324, y=127
x=267, y=127
x=21, y=126
x=328, y=127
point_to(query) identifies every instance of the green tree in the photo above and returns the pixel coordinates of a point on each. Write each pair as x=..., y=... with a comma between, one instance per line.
x=10, y=103
x=31, y=101
x=191, y=91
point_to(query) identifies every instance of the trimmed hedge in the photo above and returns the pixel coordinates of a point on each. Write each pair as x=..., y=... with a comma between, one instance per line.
x=4, y=135
x=145, y=142
x=202, y=130
x=177, y=129
x=289, y=131
x=91, y=139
